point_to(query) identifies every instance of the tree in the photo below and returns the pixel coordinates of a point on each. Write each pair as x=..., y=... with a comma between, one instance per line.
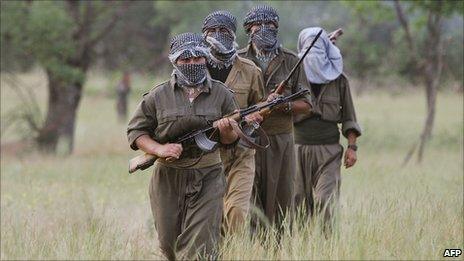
x=61, y=37
x=135, y=43
x=368, y=33
x=426, y=54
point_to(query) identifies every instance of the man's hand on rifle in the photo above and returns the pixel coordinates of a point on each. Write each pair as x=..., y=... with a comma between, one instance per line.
x=227, y=133
x=255, y=117
x=169, y=150
x=285, y=107
x=272, y=97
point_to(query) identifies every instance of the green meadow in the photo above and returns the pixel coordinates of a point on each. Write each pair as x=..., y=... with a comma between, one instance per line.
x=87, y=206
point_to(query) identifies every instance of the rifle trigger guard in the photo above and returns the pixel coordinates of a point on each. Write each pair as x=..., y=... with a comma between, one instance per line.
x=246, y=132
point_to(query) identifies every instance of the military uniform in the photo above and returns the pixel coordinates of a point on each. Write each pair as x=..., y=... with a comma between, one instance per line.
x=318, y=150
x=246, y=81
x=275, y=166
x=186, y=201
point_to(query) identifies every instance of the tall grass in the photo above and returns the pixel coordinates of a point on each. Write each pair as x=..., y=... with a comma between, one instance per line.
x=87, y=207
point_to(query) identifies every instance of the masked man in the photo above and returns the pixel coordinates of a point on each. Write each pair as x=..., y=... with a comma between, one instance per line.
x=317, y=137
x=186, y=198
x=275, y=166
x=244, y=78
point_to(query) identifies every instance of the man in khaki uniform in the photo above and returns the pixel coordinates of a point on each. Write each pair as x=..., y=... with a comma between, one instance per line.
x=244, y=78
x=275, y=166
x=186, y=198
x=317, y=137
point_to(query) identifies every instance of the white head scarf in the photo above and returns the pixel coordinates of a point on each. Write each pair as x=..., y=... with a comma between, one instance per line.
x=324, y=62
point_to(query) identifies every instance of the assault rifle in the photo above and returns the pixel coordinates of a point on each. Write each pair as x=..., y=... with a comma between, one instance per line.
x=200, y=136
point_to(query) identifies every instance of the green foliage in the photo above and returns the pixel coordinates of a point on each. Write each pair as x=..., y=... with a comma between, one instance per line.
x=373, y=43
x=143, y=42
x=188, y=16
x=12, y=25
x=374, y=11
x=367, y=36
x=49, y=31
x=376, y=29
x=44, y=30
x=445, y=7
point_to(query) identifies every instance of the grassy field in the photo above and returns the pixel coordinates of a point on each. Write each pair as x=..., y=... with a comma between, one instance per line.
x=87, y=206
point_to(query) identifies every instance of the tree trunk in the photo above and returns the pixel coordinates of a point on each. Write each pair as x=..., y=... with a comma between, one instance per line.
x=64, y=96
x=432, y=73
x=58, y=130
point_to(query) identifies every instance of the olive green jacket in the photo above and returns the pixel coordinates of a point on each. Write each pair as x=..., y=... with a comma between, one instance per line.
x=246, y=81
x=279, y=122
x=335, y=104
x=165, y=114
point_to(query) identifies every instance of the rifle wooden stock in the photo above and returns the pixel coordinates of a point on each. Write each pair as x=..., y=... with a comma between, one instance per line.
x=141, y=162
x=335, y=34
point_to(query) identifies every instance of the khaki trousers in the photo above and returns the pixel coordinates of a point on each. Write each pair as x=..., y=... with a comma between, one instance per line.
x=187, y=208
x=239, y=168
x=318, y=178
x=275, y=177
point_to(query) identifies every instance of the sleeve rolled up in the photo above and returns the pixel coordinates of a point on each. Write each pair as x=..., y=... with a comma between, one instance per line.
x=143, y=122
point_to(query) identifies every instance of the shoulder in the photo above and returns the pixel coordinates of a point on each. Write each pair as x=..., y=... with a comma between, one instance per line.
x=287, y=53
x=290, y=57
x=152, y=96
x=157, y=90
x=343, y=79
x=248, y=65
x=221, y=89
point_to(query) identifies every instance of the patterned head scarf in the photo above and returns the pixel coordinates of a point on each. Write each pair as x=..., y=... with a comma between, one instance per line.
x=184, y=46
x=261, y=14
x=324, y=62
x=265, y=38
x=222, y=44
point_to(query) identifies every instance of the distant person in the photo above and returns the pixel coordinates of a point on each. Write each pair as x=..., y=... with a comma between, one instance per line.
x=275, y=166
x=187, y=186
x=317, y=137
x=122, y=91
x=244, y=78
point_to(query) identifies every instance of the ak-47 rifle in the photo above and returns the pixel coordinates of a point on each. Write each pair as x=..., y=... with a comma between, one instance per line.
x=200, y=136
